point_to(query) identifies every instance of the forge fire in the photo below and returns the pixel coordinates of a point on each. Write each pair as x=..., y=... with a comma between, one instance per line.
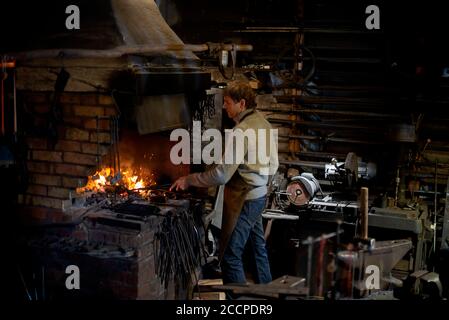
x=122, y=182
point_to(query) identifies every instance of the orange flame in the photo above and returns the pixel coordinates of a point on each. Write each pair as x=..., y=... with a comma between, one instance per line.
x=128, y=179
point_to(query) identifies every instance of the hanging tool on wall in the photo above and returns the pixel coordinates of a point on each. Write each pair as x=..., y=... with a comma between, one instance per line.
x=203, y=104
x=222, y=52
x=3, y=77
x=55, y=114
x=15, y=103
x=115, y=152
x=223, y=62
x=7, y=145
x=8, y=64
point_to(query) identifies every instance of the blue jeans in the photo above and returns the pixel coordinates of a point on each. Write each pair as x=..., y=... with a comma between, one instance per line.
x=248, y=228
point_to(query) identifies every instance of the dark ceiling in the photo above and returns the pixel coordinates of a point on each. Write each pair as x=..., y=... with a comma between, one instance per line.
x=41, y=25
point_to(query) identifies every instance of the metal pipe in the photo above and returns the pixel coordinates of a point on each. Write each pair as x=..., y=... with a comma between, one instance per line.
x=308, y=164
x=435, y=211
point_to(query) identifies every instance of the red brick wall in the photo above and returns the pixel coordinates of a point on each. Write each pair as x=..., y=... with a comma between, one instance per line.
x=125, y=277
x=56, y=170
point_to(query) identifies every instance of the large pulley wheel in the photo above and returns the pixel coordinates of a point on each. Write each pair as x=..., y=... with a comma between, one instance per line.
x=297, y=194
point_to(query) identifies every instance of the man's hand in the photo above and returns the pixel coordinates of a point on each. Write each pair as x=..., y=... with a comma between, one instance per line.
x=180, y=184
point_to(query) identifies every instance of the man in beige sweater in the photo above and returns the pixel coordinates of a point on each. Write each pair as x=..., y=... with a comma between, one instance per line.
x=245, y=179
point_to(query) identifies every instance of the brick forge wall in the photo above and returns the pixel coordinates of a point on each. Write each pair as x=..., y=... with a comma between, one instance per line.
x=102, y=276
x=55, y=172
x=134, y=277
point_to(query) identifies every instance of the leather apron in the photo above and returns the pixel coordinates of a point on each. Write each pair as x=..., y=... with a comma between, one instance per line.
x=235, y=192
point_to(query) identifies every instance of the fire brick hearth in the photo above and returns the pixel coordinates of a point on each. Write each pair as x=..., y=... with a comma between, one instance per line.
x=97, y=199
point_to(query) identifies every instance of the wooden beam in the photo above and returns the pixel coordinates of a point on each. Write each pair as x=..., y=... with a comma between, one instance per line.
x=110, y=53
x=123, y=51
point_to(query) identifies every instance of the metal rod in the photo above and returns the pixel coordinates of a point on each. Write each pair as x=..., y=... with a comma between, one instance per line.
x=310, y=242
x=35, y=287
x=320, y=267
x=98, y=145
x=325, y=237
x=332, y=112
x=111, y=142
x=325, y=125
x=24, y=284
x=43, y=283
x=114, y=145
x=159, y=187
x=114, y=132
x=309, y=264
x=15, y=102
x=334, y=273
x=116, y=142
x=352, y=279
x=435, y=211
x=354, y=141
x=396, y=193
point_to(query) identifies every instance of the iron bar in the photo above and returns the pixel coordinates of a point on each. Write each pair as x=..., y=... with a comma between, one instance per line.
x=332, y=112
x=309, y=264
x=435, y=211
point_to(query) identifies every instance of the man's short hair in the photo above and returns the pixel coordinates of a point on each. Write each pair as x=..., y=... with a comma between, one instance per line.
x=238, y=90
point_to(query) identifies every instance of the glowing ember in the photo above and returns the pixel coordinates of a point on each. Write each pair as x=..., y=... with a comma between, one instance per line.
x=105, y=179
